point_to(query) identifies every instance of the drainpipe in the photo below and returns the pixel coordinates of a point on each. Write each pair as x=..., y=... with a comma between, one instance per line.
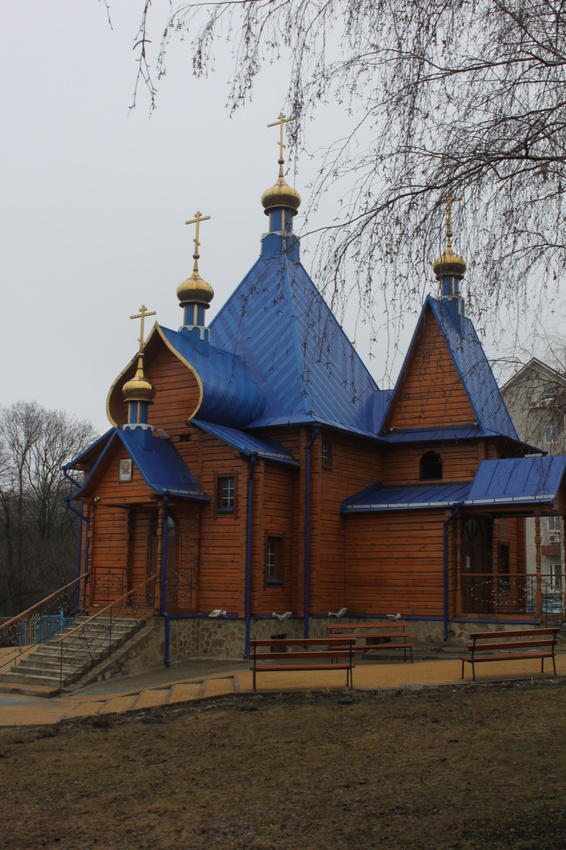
x=253, y=459
x=307, y=528
x=445, y=568
x=82, y=519
x=164, y=578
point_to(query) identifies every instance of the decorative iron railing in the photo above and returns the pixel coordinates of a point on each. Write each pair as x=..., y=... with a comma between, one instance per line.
x=489, y=593
x=41, y=622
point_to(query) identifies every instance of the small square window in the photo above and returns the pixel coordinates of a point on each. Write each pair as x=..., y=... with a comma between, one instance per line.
x=554, y=523
x=274, y=565
x=226, y=494
x=125, y=469
x=326, y=454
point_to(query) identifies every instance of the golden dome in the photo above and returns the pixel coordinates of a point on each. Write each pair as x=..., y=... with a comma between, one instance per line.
x=449, y=264
x=195, y=290
x=281, y=195
x=138, y=388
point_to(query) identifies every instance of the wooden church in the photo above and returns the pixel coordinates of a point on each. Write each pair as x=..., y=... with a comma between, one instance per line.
x=254, y=469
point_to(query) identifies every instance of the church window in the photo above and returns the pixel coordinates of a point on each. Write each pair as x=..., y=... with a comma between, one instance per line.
x=326, y=454
x=225, y=494
x=430, y=466
x=274, y=566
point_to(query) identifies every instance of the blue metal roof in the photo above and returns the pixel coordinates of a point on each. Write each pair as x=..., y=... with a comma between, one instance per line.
x=474, y=370
x=230, y=395
x=410, y=497
x=531, y=480
x=430, y=435
x=281, y=328
x=528, y=481
x=248, y=444
x=160, y=465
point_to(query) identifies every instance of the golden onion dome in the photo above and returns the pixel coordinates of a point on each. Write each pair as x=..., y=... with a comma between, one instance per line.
x=449, y=264
x=195, y=290
x=281, y=195
x=138, y=388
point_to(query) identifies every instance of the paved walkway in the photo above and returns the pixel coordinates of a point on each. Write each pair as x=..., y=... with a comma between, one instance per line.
x=198, y=680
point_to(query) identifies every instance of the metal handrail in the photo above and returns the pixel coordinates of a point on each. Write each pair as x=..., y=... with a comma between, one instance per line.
x=95, y=616
x=108, y=607
x=42, y=602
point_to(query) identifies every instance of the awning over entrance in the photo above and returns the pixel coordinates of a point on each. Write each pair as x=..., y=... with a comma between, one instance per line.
x=528, y=481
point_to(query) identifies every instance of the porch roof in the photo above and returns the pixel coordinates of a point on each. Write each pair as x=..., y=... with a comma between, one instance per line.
x=162, y=467
x=158, y=461
x=512, y=481
x=248, y=444
x=403, y=498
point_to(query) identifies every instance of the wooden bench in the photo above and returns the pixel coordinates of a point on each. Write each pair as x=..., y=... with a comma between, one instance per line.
x=302, y=654
x=511, y=645
x=382, y=634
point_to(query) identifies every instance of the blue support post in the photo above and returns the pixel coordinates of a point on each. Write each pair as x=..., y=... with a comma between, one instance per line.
x=249, y=555
x=164, y=579
x=307, y=529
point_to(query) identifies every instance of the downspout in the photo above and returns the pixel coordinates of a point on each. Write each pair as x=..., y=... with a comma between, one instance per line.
x=253, y=459
x=164, y=578
x=82, y=519
x=445, y=568
x=307, y=528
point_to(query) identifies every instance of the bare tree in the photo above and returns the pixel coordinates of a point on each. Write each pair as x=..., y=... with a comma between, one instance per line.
x=37, y=533
x=444, y=97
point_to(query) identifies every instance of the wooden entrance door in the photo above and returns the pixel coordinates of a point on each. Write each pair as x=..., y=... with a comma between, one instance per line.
x=477, y=574
x=172, y=558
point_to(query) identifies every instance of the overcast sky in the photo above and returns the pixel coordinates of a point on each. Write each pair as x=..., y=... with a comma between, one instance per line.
x=95, y=196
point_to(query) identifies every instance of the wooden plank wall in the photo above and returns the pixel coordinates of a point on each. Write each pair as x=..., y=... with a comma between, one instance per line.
x=401, y=464
x=356, y=464
x=274, y=514
x=395, y=563
x=431, y=392
x=222, y=546
x=177, y=393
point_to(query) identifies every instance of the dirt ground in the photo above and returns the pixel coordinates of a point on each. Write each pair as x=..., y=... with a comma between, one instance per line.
x=482, y=766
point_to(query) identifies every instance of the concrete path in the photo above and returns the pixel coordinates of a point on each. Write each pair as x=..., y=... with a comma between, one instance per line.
x=197, y=680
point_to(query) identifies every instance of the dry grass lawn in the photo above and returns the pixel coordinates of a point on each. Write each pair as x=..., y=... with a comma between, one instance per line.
x=482, y=766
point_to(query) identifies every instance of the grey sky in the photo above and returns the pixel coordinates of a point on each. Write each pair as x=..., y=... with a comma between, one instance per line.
x=94, y=197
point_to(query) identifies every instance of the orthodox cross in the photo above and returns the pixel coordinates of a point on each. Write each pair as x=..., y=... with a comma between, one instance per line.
x=281, y=120
x=141, y=315
x=197, y=220
x=449, y=200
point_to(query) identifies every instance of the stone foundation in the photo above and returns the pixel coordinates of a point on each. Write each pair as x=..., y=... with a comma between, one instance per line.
x=225, y=639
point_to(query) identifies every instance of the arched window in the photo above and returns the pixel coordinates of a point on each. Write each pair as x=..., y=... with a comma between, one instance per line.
x=430, y=466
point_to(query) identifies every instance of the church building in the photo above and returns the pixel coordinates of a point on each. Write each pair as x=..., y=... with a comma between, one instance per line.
x=254, y=469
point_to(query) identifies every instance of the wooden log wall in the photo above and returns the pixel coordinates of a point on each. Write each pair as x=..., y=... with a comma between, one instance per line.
x=356, y=464
x=401, y=463
x=395, y=563
x=431, y=393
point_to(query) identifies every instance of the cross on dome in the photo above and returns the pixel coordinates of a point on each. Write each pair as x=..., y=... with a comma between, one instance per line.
x=141, y=315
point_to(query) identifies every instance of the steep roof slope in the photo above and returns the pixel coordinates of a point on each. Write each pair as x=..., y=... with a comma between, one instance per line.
x=281, y=328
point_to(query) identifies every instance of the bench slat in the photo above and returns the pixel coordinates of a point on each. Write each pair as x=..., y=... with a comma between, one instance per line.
x=502, y=646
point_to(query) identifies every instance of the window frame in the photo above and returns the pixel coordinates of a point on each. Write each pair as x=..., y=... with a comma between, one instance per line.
x=326, y=454
x=277, y=579
x=219, y=482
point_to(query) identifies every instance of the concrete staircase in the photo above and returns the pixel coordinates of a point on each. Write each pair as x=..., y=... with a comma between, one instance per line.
x=45, y=671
